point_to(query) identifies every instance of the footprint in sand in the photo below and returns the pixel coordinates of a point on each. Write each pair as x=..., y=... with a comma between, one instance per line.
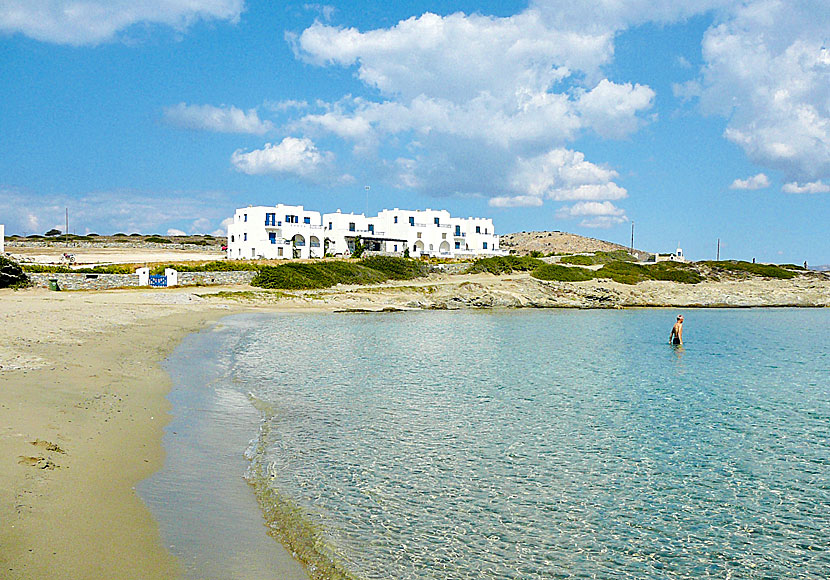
x=48, y=446
x=39, y=462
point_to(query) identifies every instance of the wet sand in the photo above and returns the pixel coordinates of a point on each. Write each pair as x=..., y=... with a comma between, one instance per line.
x=82, y=411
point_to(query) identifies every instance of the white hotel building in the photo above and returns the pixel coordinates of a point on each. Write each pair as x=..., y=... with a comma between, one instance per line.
x=290, y=231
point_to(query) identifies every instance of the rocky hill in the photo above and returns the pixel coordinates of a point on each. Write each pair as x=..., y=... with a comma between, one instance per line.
x=522, y=243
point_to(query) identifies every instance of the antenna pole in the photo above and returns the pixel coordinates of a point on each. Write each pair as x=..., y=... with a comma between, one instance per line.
x=718, y=254
x=367, y=200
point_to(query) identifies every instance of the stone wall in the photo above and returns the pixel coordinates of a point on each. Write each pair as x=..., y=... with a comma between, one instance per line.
x=85, y=281
x=216, y=278
x=80, y=281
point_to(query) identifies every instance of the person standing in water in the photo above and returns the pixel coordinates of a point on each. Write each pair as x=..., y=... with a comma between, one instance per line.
x=676, y=336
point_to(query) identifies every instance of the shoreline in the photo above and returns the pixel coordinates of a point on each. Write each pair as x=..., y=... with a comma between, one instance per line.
x=83, y=396
x=83, y=411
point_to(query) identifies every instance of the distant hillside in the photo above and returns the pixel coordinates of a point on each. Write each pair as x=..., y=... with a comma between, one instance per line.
x=523, y=243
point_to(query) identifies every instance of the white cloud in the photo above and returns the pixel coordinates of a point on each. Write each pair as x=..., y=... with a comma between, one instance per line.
x=564, y=175
x=767, y=70
x=222, y=231
x=811, y=187
x=80, y=22
x=759, y=181
x=293, y=156
x=221, y=119
x=478, y=102
x=515, y=201
x=596, y=214
x=590, y=208
x=175, y=232
x=611, y=109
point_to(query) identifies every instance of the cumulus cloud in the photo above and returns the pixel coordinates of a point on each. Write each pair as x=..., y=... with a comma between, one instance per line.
x=483, y=105
x=564, y=175
x=81, y=22
x=768, y=71
x=595, y=214
x=222, y=119
x=175, y=232
x=297, y=157
x=222, y=231
x=811, y=187
x=759, y=181
x=515, y=201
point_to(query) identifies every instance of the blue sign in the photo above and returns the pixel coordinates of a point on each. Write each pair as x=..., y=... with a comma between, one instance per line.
x=158, y=281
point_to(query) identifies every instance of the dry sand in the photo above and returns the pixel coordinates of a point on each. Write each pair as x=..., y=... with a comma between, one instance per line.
x=82, y=410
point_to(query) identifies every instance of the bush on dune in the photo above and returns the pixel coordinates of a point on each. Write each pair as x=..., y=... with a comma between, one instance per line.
x=558, y=273
x=504, y=264
x=11, y=274
x=315, y=275
x=739, y=267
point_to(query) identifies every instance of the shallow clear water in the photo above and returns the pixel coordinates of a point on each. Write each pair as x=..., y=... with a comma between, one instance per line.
x=543, y=444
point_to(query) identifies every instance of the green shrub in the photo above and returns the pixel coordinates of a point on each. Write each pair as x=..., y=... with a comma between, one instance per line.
x=396, y=268
x=599, y=258
x=504, y=264
x=561, y=273
x=578, y=260
x=738, y=266
x=11, y=274
x=119, y=234
x=630, y=273
x=110, y=269
x=314, y=275
x=158, y=240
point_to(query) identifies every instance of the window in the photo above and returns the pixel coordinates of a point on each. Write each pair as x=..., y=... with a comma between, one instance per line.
x=270, y=219
x=457, y=245
x=279, y=251
x=478, y=229
x=351, y=226
x=396, y=245
x=307, y=220
x=437, y=221
x=231, y=239
x=485, y=230
x=411, y=220
x=457, y=230
x=485, y=245
x=329, y=225
x=372, y=228
x=272, y=237
x=245, y=237
x=419, y=235
x=396, y=219
x=444, y=236
x=246, y=218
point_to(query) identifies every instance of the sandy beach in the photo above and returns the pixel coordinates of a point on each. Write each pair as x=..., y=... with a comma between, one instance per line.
x=82, y=408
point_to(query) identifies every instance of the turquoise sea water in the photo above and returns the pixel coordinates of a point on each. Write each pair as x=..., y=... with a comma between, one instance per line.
x=540, y=444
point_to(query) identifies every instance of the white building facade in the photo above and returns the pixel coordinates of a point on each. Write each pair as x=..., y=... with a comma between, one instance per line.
x=286, y=232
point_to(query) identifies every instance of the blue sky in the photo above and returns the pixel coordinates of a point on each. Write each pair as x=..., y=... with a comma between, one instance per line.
x=698, y=120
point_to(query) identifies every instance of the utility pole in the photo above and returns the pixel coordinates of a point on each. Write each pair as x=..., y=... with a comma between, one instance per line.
x=718, y=254
x=632, y=236
x=66, y=231
x=367, y=200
